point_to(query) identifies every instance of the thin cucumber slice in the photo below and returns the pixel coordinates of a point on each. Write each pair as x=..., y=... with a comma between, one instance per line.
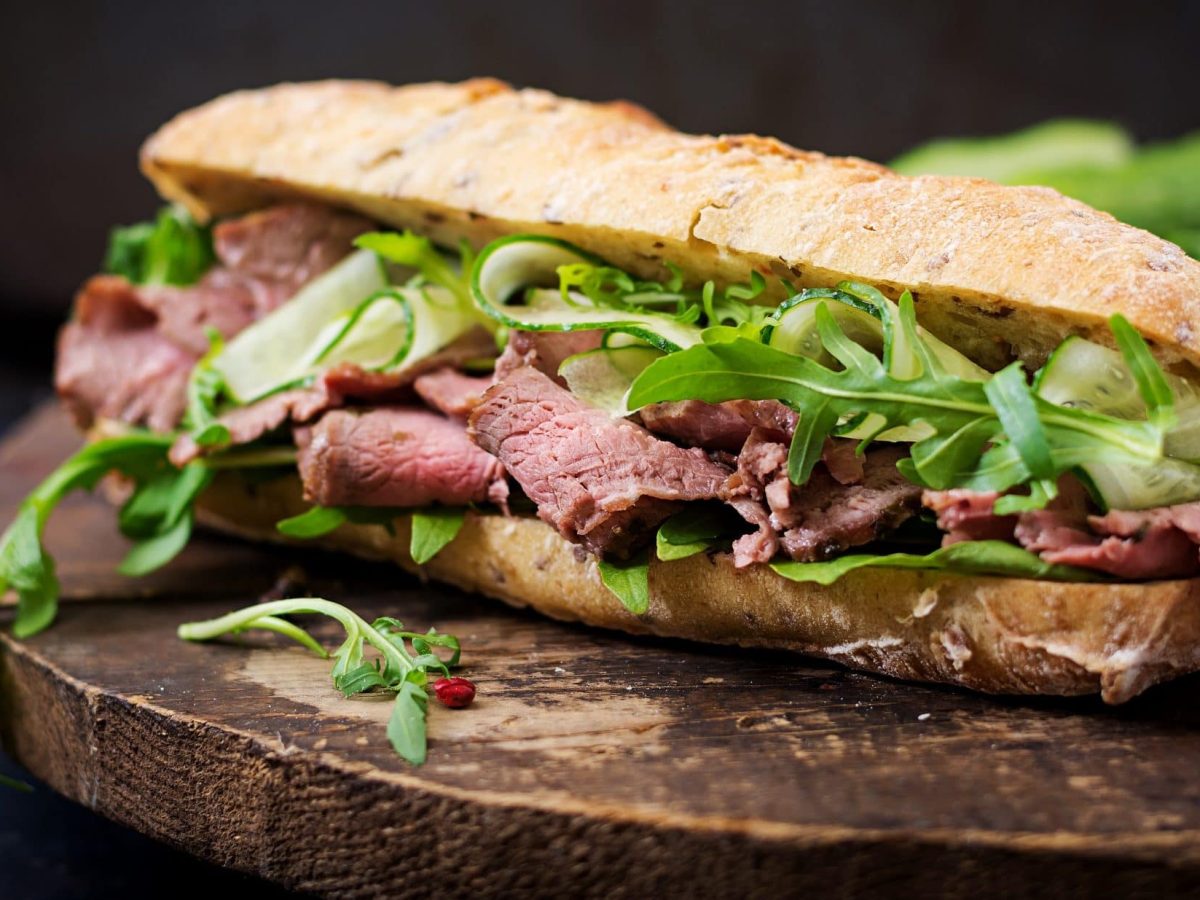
x=396, y=328
x=282, y=347
x=793, y=327
x=865, y=318
x=1088, y=376
x=1166, y=483
x=602, y=377
x=508, y=267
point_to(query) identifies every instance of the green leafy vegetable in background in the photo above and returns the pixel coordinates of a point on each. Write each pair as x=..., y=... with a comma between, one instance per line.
x=977, y=557
x=172, y=249
x=403, y=666
x=1156, y=187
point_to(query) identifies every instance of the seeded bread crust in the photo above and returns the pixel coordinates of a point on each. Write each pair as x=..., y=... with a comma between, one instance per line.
x=999, y=635
x=999, y=272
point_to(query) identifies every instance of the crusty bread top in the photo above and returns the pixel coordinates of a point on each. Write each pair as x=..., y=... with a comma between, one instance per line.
x=997, y=271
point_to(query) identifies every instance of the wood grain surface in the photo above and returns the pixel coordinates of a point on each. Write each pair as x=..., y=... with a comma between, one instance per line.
x=591, y=763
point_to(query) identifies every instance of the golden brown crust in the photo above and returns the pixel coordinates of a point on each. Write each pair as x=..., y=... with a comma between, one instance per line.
x=999, y=635
x=998, y=271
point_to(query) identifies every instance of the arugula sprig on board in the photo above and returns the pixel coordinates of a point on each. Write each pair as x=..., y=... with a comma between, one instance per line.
x=403, y=665
x=157, y=517
x=1031, y=441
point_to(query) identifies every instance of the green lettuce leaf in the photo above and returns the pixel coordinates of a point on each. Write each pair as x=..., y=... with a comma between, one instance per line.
x=976, y=557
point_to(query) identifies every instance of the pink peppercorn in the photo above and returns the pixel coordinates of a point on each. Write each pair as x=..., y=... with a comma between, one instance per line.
x=454, y=692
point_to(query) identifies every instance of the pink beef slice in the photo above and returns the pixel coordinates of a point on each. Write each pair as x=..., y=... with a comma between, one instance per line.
x=395, y=456
x=127, y=351
x=451, y=392
x=826, y=515
x=967, y=516
x=114, y=362
x=602, y=482
x=544, y=350
x=344, y=383
x=1141, y=544
x=718, y=426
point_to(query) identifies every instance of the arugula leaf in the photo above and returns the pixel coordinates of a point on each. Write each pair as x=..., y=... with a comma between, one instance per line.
x=962, y=414
x=406, y=725
x=980, y=557
x=415, y=252
x=315, y=522
x=171, y=250
x=1151, y=383
x=156, y=551
x=15, y=784
x=433, y=529
x=397, y=669
x=205, y=387
x=808, y=441
x=1014, y=403
x=24, y=564
x=614, y=288
x=696, y=528
x=629, y=580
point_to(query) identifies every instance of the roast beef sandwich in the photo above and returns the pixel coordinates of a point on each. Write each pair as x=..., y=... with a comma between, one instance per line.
x=707, y=387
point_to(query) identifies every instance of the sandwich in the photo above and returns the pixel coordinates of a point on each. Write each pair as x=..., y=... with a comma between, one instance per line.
x=712, y=388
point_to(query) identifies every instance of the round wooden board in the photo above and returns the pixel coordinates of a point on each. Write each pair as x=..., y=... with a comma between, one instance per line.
x=591, y=763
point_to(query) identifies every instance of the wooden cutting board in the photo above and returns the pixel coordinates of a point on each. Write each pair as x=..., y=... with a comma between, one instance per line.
x=591, y=763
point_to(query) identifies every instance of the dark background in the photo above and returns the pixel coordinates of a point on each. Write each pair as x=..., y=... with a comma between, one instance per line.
x=81, y=85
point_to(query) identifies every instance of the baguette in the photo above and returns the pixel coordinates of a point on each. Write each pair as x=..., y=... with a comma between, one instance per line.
x=999, y=273
x=999, y=635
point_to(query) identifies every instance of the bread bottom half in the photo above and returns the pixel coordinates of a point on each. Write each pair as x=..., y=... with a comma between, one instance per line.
x=999, y=635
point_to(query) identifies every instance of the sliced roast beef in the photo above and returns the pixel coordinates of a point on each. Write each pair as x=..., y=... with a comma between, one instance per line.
x=718, y=426
x=602, y=482
x=128, y=350
x=967, y=516
x=336, y=387
x=1153, y=543
x=825, y=516
x=114, y=363
x=544, y=350
x=395, y=456
x=289, y=244
x=451, y=392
